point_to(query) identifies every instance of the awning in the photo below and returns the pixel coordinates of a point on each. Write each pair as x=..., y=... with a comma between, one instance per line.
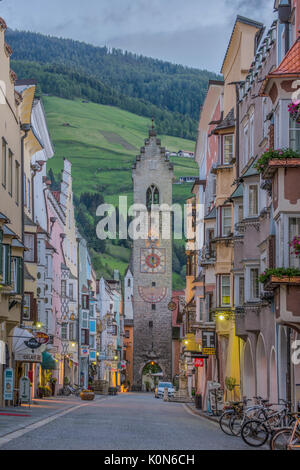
x=48, y=361
x=23, y=352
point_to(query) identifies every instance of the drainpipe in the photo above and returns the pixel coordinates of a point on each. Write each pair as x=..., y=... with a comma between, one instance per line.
x=25, y=128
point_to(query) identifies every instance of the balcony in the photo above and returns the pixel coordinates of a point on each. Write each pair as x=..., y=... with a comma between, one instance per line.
x=285, y=287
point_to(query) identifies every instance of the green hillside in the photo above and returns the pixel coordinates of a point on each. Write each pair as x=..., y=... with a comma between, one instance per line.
x=102, y=142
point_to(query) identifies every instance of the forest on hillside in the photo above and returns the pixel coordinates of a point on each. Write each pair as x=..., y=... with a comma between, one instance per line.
x=172, y=94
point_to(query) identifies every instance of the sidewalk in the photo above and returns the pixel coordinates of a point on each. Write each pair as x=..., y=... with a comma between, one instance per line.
x=201, y=413
x=15, y=418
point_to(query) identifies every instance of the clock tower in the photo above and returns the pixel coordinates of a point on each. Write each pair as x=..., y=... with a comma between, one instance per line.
x=152, y=175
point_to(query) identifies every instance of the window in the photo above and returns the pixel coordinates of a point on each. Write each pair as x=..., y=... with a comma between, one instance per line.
x=64, y=288
x=153, y=307
x=294, y=230
x=4, y=156
x=28, y=195
x=84, y=320
x=72, y=332
x=294, y=135
x=64, y=331
x=241, y=298
x=17, y=183
x=152, y=197
x=92, y=342
x=6, y=264
x=29, y=241
x=26, y=310
x=227, y=149
x=253, y=200
x=129, y=282
x=225, y=290
x=251, y=137
x=265, y=114
x=16, y=274
x=240, y=213
x=85, y=302
x=10, y=172
x=126, y=333
x=254, y=284
x=226, y=221
x=71, y=291
x=246, y=145
x=85, y=337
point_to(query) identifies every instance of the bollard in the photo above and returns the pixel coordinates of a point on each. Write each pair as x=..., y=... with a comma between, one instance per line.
x=165, y=394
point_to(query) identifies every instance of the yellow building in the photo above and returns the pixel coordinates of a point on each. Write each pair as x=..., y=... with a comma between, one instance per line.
x=235, y=67
x=11, y=246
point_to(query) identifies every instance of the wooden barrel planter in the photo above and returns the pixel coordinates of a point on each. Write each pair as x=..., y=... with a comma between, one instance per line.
x=87, y=395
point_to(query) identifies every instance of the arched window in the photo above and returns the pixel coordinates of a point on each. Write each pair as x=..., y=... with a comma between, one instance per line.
x=152, y=196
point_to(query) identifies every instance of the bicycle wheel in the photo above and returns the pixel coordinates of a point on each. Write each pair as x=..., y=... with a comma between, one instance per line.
x=254, y=433
x=281, y=439
x=224, y=422
x=236, y=422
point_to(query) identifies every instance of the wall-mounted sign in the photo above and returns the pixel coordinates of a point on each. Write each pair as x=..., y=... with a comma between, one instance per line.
x=32, y=343
x=42, y=338
x=209, y=342
x=172, y=306
x=8, y=384
x=199, y=362
x=24, y=390
x=28, y=357
x=84, y=352
x=209, y=351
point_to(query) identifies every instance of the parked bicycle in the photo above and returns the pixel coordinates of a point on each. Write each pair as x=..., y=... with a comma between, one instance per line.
x=237, y=413
x=256, y=432
x=287, y=438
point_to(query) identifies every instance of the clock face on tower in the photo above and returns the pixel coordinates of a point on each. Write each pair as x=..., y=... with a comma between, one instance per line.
x=153, y=260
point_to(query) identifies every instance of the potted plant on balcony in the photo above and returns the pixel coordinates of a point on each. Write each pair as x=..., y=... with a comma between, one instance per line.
x=280, y=276
x=295, y=245
x=279, y=157
x=294, y=110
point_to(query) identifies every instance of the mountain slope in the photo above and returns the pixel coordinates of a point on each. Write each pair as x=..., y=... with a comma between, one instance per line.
x=169, y=86
x=101, y=142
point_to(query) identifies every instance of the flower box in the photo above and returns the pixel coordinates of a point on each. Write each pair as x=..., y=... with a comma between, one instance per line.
x=276, y=163
x=87, y=395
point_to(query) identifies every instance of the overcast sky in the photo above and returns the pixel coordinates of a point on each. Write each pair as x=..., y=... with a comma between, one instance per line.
x=188, y=32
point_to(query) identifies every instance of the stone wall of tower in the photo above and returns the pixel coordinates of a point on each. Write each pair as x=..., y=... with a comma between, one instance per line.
x=152, y=341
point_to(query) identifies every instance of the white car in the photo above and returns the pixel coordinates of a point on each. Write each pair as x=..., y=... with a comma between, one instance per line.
x=159, y=392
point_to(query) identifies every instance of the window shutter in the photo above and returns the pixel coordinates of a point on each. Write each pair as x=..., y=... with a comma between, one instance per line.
x=19, y=274
x=271, y=251
x=8, y=265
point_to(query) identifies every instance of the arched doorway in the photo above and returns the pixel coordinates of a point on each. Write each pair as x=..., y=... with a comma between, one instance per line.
x=282, y=362
x=273, y=377
x=151, y=375
x=248, y=372
x=261, y=368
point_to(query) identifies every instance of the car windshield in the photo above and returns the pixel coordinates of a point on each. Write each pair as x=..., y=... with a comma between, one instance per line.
x=165, y=385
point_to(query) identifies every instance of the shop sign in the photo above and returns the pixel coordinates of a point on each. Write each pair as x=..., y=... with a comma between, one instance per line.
x=199, y=362
x=32, y=343
x=42, y=338
x=123, y=364
x=209, y=351
x=24, y=390
x=84, y=352
x=29, y=357
x=8, y=384
x=172, y=306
